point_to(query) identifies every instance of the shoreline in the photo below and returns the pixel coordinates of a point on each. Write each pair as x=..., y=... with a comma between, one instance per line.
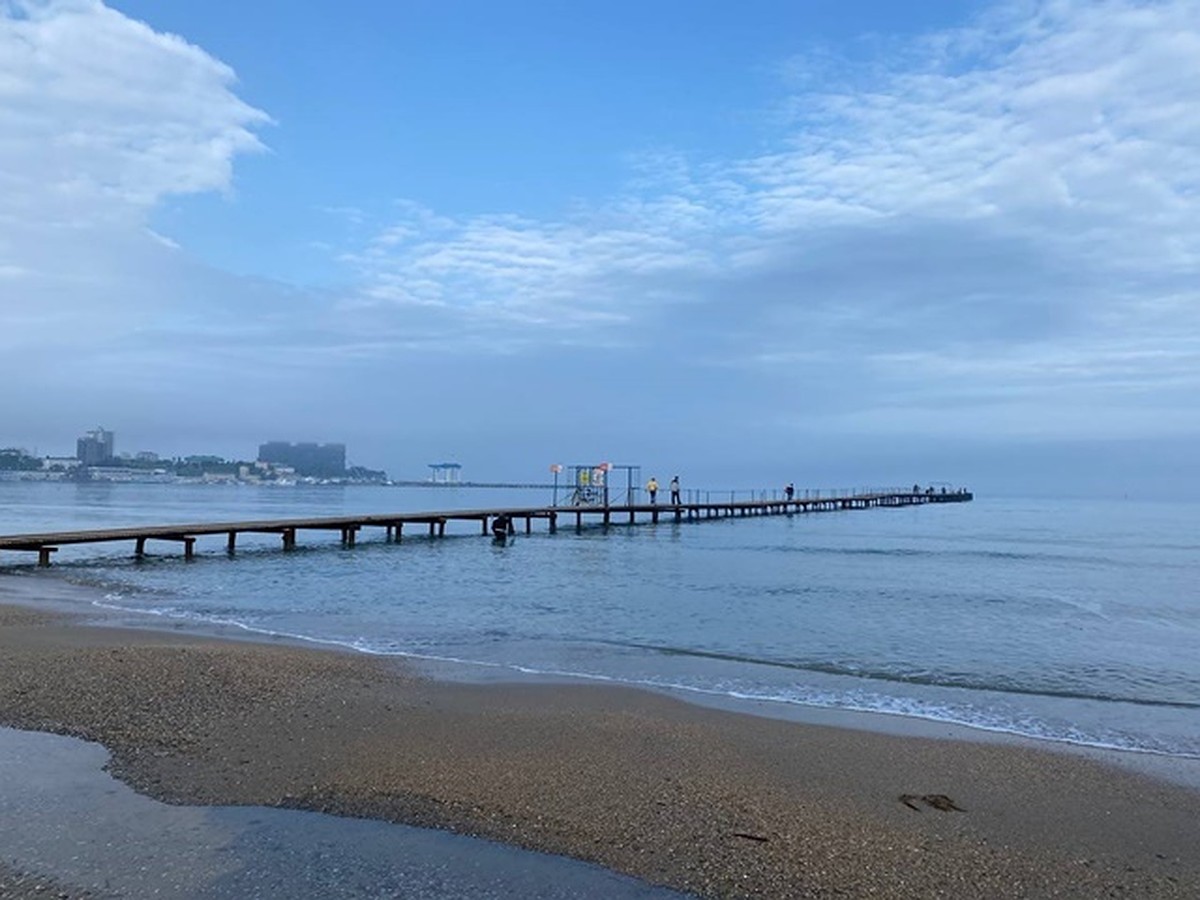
x=68, y=597
x=715, y=801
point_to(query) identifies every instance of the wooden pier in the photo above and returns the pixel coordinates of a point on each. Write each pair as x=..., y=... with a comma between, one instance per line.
x=393, y=525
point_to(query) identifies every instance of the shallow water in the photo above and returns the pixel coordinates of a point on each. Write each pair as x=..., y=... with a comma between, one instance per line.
x=1068, y=620
x=63, y=817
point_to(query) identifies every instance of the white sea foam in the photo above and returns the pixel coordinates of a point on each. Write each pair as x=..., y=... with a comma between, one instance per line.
x=849, y=701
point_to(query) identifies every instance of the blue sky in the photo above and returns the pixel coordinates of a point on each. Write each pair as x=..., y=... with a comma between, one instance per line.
x=834, y=243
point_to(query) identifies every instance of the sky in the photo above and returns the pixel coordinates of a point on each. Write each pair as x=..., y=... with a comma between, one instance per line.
x=836, y=243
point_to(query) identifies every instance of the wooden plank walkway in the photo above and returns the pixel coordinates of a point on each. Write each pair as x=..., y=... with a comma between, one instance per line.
x=47, y=543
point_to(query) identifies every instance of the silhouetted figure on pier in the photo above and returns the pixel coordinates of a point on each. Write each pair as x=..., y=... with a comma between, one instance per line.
x=790, y=491
x=652, y=488
x=675, y=491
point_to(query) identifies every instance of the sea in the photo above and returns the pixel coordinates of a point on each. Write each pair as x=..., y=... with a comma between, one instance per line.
x=1073, y=621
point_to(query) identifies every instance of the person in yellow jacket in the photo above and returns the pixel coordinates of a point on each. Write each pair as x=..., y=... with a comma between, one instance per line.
x=652, y=488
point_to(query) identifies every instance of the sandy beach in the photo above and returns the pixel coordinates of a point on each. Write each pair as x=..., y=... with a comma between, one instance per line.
x=719, y=803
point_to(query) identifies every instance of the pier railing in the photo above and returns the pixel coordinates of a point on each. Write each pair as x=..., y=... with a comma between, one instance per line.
x=763, y=495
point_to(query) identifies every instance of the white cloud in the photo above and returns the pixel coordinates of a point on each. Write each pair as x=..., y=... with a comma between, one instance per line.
x=1074, y=126
x=1029, y=181
x=101, y=118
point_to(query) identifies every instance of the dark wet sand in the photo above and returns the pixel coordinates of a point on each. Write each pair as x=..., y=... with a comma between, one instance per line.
x=716, y=802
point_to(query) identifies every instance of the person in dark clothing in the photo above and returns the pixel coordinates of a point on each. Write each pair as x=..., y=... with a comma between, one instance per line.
x=790, y=491
x=503, y=528
x=675, y=491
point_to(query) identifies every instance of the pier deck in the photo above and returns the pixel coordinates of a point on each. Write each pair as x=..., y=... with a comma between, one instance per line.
x=47, y=543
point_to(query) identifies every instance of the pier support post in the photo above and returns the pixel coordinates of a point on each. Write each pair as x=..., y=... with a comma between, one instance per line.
x=579, y=521
x=554, y=523
x=289, y=539
x=44, y=556
x=389, y=534
x=399, y=531
x=189, y=547
x=139, y=549
x=654, y=516
x=678, y=514
x=483, y=524
x=231, y=544
x=441, y=527
x=607, y=517
x=529, y=524
x=432, y=527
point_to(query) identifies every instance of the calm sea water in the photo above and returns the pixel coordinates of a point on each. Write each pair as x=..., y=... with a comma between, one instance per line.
x=1069, y=620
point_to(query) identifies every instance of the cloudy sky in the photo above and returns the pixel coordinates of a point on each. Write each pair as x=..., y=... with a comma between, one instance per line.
x=838, y=243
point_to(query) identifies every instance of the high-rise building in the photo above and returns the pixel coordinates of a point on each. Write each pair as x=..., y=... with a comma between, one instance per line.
x=95, y=448
x=316, y=460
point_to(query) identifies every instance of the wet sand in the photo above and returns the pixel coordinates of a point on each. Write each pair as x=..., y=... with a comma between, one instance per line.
x=712, y=801
x=63, y=816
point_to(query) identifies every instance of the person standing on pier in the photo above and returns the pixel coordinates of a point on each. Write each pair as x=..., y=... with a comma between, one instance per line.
x=675, y=491
x=652, y=488
x=789, y=491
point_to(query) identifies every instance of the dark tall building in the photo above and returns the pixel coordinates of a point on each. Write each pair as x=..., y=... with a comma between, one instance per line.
x=317, y=460
x=95, y=448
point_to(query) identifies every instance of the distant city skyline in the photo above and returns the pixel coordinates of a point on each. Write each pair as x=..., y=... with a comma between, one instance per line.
x=821, y=242
x=97, y=446
x=276, y=462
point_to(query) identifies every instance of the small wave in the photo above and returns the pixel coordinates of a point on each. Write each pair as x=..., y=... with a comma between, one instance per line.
x=924, y=679
x=851, y=701
x=942, y=553
x=873, y=704
x=1028, y=728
